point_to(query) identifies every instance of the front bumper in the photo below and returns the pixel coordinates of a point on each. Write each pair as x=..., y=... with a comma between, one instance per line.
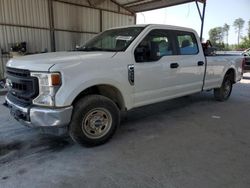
x=34, y=116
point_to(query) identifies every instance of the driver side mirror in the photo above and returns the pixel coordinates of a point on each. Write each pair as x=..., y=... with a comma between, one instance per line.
x=140, y=54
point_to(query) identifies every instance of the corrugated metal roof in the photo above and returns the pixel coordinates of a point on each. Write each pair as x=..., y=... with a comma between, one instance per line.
x=145, y=5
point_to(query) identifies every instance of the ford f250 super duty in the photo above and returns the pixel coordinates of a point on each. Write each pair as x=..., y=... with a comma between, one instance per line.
x=85, y=91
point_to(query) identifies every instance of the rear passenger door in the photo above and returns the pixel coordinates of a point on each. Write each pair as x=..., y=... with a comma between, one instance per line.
x=191, y=63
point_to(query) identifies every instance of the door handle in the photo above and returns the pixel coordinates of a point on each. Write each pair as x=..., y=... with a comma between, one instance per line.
x=200, y=63
x=174, y=65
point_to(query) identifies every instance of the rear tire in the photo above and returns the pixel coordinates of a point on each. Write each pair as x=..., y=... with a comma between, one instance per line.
x=94, y=121
x=224, y=92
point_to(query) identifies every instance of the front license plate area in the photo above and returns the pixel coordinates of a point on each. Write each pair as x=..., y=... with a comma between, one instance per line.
x=17, y=114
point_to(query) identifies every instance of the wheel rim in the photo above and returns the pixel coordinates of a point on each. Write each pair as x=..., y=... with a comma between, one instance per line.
x=97, y=123
x=227, y=88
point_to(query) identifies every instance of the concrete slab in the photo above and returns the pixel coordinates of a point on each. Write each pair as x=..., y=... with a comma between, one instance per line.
x=188, y=142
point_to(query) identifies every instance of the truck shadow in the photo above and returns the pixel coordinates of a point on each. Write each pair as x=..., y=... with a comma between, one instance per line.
x=168, y=106
x=41, y=145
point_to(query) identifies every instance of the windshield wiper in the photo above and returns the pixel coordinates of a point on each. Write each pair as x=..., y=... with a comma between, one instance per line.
x=84, y=48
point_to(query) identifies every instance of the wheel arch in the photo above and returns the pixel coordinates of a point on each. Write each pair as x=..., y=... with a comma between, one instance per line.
x=109, y=91
x=232, y=73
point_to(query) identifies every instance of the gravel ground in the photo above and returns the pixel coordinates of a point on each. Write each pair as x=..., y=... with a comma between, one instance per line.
x=188, y=142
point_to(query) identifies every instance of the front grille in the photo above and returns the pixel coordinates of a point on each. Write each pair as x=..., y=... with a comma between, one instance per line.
x=18, y=72
x=23, y=88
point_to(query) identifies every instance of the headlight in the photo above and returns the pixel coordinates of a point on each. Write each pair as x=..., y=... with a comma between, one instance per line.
x=49, y=84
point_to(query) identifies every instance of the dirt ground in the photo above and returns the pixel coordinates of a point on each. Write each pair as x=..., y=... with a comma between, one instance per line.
x=188, y=142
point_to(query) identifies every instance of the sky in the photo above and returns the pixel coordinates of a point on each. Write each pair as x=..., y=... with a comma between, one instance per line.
x=218, y=12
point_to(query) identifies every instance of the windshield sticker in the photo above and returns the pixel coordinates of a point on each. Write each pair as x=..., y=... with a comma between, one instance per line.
x=124, y=38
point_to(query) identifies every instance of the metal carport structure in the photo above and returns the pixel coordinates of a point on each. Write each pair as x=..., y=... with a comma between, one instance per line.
x=136, y=6
x=59, y=25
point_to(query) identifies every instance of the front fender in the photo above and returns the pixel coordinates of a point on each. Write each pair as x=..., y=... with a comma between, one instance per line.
x=66, y=95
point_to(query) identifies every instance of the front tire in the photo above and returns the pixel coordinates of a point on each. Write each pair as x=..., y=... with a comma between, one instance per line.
x=224, y=92
x=94, y=121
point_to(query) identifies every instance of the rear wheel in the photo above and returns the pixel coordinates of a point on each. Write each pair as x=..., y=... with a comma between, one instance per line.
x=224, y=92
x=94, y=121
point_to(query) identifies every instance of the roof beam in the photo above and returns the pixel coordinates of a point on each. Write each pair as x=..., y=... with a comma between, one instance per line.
x=134, y=2
x=157, y=4
x=95, y=2
x=146, y=5
x=122, y=6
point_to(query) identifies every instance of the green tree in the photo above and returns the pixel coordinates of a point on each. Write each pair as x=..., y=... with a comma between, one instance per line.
x=245, y=43
x=226, y=29
x=238, y=25
x=212, y=35
x=216, y=35
x=248, y=30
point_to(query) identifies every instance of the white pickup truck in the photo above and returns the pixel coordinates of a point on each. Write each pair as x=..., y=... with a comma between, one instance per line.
x=85, y=91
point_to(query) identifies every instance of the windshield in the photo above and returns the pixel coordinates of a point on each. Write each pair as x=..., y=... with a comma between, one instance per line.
x=112, y=40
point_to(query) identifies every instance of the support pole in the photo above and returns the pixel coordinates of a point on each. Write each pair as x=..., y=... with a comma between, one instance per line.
x=203, y=19
x=198, y=8
x=202, y=16
x=101, y=21
x=51, y=26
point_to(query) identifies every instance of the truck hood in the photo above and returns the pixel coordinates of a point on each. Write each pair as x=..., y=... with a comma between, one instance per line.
x=43, y=62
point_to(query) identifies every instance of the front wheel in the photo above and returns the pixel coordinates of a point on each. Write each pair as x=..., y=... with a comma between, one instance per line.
x=224, y=92
x=94, y=121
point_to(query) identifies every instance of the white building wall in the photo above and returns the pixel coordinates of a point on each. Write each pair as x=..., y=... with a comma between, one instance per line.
x=32, y=15
x=75, y=22
x=111, y=19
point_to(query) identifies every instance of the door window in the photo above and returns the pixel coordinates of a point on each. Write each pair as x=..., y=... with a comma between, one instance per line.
x=155, y=45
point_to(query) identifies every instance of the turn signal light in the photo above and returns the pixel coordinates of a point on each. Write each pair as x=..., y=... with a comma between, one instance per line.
x=55, y=79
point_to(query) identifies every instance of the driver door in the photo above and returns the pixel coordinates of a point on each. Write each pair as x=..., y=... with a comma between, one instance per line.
x=154, y=78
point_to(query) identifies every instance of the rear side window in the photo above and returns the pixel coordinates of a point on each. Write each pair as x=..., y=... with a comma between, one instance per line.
x=187, y=43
